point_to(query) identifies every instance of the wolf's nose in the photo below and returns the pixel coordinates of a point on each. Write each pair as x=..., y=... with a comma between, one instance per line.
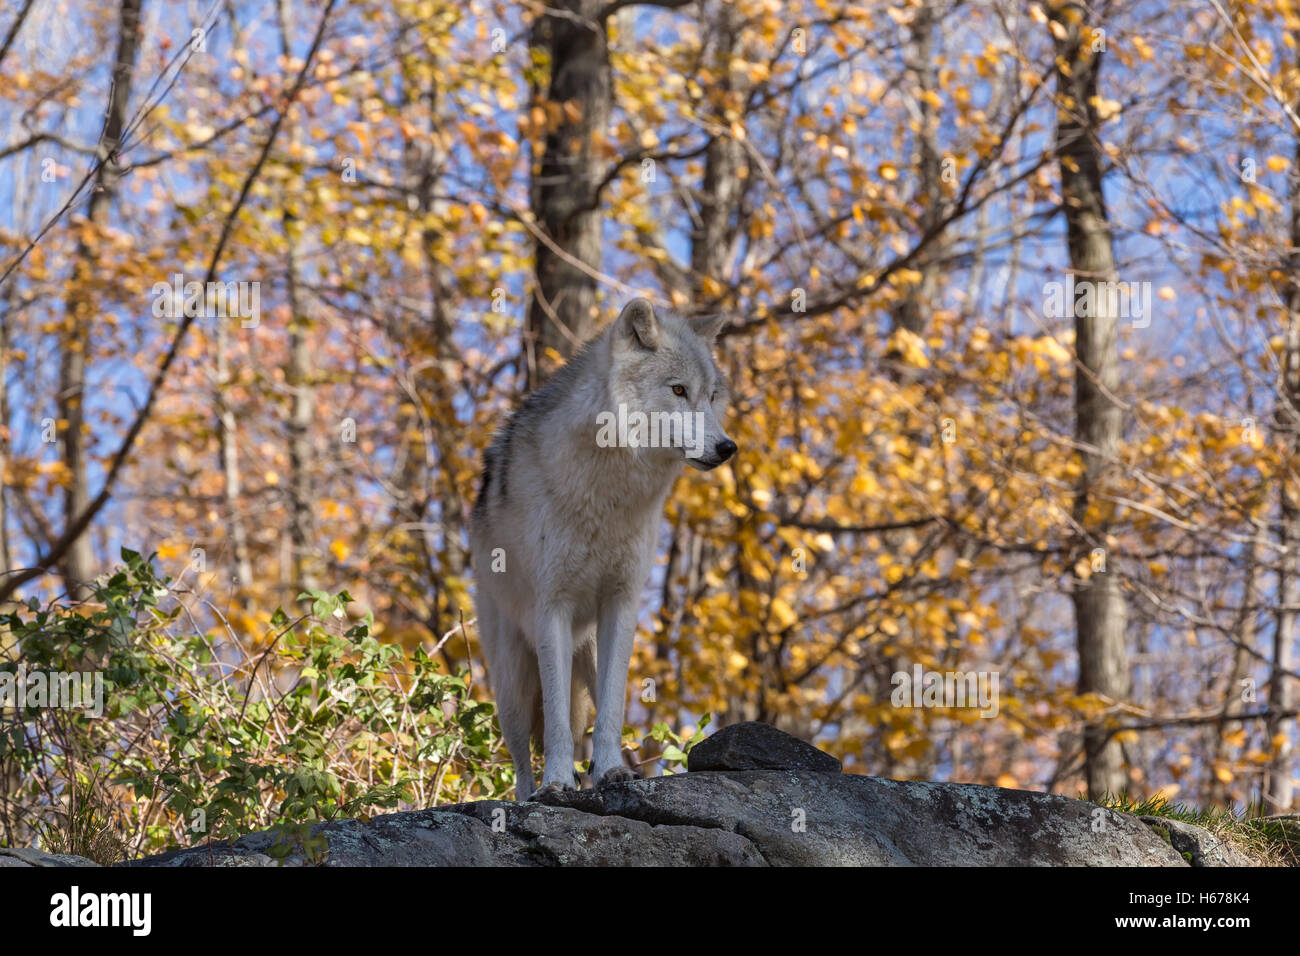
x=725, y=449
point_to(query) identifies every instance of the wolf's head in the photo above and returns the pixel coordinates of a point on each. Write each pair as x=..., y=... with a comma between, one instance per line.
x=668, y=391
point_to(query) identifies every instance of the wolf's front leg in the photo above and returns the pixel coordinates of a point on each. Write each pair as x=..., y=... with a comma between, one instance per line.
x=615, y=634
x=555, y=668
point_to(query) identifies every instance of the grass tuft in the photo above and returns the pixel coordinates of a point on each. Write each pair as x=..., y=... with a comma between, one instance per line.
x=1269, y=841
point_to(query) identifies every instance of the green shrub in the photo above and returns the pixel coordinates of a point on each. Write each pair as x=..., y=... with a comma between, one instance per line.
x=204, y=736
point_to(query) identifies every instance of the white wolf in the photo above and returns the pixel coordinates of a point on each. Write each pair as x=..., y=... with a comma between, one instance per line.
x=563, y=531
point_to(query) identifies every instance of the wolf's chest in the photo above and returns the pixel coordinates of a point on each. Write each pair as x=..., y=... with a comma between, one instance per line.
x=603, y=540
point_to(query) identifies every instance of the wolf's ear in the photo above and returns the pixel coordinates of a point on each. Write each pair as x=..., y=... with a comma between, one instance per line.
x=707, y=327
x=637, y=321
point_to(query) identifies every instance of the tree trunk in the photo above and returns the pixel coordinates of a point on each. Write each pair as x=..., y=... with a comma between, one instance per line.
x=1278, y=790
x=446, y=372
x=6, y=559
x=712, y=255
x=78, y=563
x=713, y=241
x=1100, y=611
x=563, y=309
x=298, y=377
x=1232, y=702
x=922, y=72
x=232, y=485
x=432, y=426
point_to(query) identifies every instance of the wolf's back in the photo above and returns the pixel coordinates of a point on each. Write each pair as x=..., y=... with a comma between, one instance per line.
x=531, y=420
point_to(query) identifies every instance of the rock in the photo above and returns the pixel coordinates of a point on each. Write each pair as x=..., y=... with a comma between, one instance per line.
x=422, y=838
x=219, y=854
x=805, y=813
x=570, y=837
x=820, y=819
x=28, y=856
x=490, y=833
x=757, y=746
x=733, y=818
x=1198, y=846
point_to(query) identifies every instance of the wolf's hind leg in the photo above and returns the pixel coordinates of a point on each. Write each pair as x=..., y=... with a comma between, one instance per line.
x=516, y=716
x=512, y=672
x=582, y=695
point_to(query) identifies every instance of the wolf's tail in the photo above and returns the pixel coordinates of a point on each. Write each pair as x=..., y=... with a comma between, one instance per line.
x=582, y=699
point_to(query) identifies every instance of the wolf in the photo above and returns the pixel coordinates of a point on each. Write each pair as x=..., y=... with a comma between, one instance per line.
x=562, y=533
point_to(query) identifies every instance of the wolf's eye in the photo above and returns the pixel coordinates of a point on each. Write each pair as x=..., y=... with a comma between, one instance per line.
x=679, y=390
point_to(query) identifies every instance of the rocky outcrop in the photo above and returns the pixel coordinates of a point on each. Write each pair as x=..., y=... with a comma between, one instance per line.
x=492, y=833
x=814, y=819
x=739, y=818
x=26, y=856
x=734, y=815
x=1198, y=846
x=757, y=746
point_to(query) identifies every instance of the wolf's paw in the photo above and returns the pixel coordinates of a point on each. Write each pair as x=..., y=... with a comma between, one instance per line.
x=621, y=774
x=549, y=790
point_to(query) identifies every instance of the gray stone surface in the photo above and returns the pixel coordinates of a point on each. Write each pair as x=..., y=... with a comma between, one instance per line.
x=757, y=746
x=1195, y=844
x=573, y=837
x=746, y=818
x=28, y=856
x=491, y=833
x=803, y=813
x=817, y=819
